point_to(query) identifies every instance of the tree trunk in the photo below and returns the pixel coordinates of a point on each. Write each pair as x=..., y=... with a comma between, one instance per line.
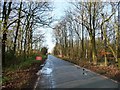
x=18, y=25
x=82, y=41
x=92, y=37
x=5, y=17
x=26, y=38
x=94, y=57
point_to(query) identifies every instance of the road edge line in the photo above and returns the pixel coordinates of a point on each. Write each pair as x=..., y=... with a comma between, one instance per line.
x=97, y=74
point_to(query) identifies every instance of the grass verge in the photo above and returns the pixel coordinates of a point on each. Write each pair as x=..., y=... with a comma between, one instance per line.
x=19, y=75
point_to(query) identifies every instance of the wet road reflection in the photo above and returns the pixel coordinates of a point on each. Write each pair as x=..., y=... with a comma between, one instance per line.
x=46, y=71
x=45, y=76
x=57, y=73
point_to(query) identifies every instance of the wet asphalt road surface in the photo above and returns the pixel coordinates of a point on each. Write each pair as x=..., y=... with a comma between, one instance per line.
x=58, y=73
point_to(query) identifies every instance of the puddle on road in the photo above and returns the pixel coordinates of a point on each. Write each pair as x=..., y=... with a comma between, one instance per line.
x=44, y=71
x=45, y=74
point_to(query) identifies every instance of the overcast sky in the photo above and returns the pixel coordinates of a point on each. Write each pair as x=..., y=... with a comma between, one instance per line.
x=58, y=12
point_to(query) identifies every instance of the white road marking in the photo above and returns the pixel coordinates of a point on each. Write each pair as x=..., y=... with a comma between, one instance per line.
x=36, y=84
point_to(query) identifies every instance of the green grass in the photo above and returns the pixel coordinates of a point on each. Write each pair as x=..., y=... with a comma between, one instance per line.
x=44, y=57
x=4, y=79
x=24, y=64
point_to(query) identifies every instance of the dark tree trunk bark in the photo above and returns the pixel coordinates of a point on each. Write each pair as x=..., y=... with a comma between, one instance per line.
x=5, y=17
x=18, y=25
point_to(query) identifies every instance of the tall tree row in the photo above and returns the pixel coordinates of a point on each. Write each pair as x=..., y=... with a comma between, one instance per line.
x=19, y=23
x=92, y=29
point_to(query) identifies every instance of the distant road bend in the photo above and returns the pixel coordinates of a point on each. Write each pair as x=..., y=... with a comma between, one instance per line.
x=58, y=73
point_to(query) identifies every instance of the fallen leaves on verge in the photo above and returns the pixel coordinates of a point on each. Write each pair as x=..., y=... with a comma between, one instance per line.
x=19, y=77
x=108, y=71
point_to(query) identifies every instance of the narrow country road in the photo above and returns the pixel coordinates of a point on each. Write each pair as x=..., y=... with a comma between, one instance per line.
x=61, y=74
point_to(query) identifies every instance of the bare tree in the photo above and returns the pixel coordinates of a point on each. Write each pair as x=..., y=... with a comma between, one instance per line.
x=5, y=16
